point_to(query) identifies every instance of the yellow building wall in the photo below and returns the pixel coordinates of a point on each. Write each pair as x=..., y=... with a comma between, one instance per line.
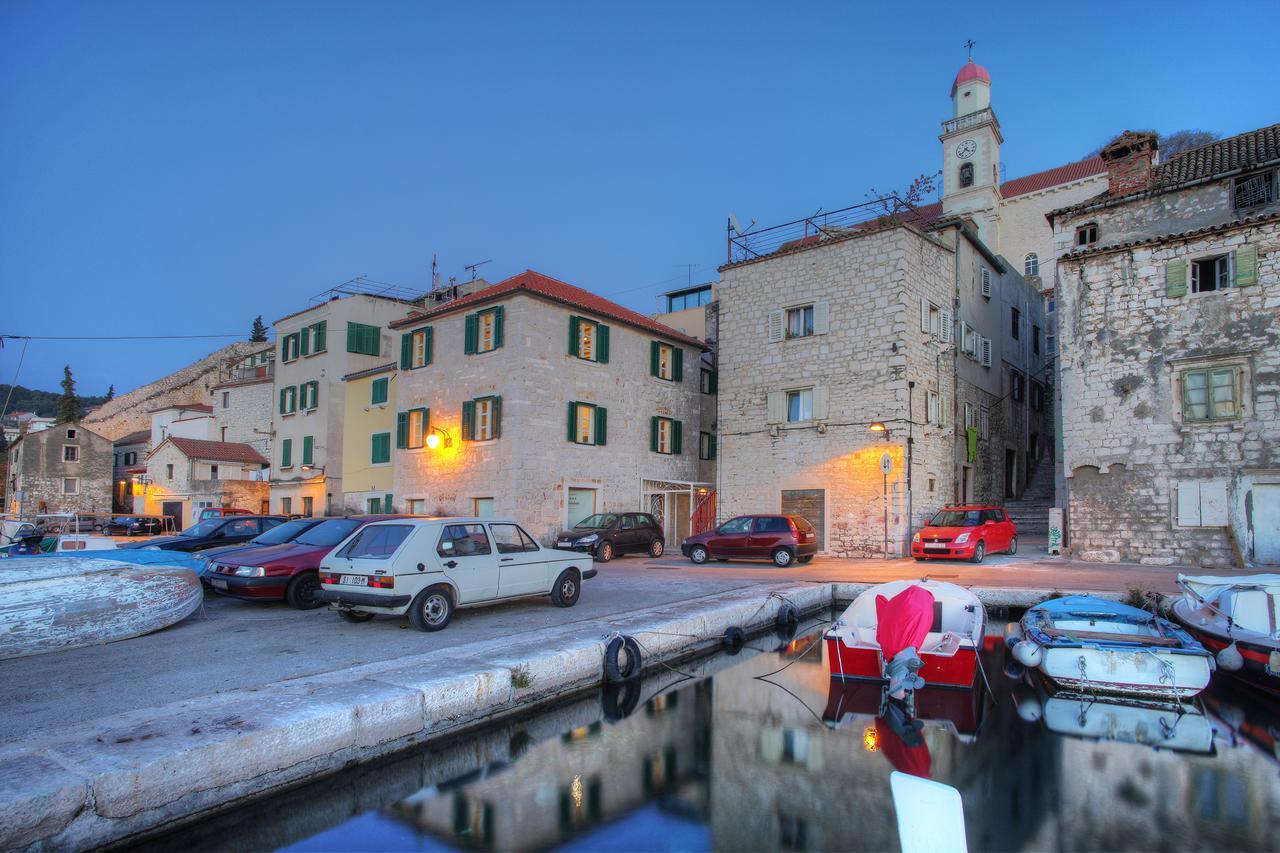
x=361, y=479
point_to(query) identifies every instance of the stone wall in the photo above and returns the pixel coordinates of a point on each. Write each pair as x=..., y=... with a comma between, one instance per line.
x=245, y=416
x=38, y=470
x=1125, y=344
x=130, y=412
x=528, y=470
x=1024, y=228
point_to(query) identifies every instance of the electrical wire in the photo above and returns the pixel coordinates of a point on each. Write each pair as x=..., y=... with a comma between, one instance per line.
x=14, y=383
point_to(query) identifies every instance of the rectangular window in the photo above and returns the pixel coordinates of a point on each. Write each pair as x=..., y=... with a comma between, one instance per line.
x=70, y=453
x=706, y=445
x=1015, y=324
x=288, y=400
x=484, y=331
x=417, y=429
x=314, y=338
x=380, y=391
x=800, y=321
x=1253, y=190
x=70, y=486
x=935, y=320
x=364, y=340
x=213, y=472
x=71, y=433
x=707, y=381
x=381, y=448
x=688, y=299
x=290, y=347
x=800, y=405
x=1209, y=274
x=308, y=449
x=665, y=361
x=1087, y=235
x=588, y=340
x=664, y=436
x=1212, y=394
x=968, y=340
x=1051, y=344
x=1017, y=385
x=286, y=453
x=373, y=506
x=587, y=423
x=310, y=393
x=984, y=424
x=131, y=458
x=417, y=506
x=168, y=471
x=984, y=282
x=482, y=419
x=932, y=410
x=1037, y=396
x=482, y=507
x=226, y=399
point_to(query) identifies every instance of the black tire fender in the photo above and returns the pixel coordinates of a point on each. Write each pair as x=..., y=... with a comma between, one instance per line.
x=787, y=615
x=619, y=701
x=613, y=672
x=733, y=640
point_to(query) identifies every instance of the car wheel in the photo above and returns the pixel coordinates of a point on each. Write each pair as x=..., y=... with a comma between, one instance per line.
x=567, y=588
x=302, y=591
x=604, y=552
x=699, y=554
x=1013, y=546
x=979, y=551
x=356, y=616
x=432, y=609
x=656, y=548
x=782, y=557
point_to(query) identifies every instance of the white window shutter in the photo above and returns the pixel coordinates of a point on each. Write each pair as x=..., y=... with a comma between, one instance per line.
x=1188, y=503
x=986, y=352
x=821, y=317
x=968, y=415
x=776, y=325
x=924, y=314
x=819, y=402
x=947, y=321
x=986, y=282
x=1213, y=503
x=777, y=407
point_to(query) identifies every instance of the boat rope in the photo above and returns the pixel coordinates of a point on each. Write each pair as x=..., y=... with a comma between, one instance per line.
x=663, y=663
x=817, y=642
x=1167, y=675
x=1084, y=675
x=977, y=655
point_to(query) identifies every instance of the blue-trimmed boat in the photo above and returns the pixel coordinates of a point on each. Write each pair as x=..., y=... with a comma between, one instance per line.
x=1088, y=644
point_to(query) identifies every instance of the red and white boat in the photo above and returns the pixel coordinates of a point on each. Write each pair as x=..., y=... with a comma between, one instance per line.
x=948, y=650
x=1238, y=620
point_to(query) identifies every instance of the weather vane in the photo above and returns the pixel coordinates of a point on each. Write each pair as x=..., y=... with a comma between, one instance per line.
x=969, y=44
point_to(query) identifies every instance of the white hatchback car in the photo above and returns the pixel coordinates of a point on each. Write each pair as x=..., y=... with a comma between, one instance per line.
x=428, y=567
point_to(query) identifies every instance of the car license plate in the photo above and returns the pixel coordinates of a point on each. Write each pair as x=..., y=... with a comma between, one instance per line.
x=935, y=546
x=218, y=584
x=354, y=580
x=564, y=543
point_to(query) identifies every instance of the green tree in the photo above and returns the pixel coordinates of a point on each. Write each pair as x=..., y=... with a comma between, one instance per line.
x=68, y=403
x=111, y=393
x=259, y=333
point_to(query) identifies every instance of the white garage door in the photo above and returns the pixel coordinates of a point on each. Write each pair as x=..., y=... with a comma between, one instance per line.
x=1266, y=523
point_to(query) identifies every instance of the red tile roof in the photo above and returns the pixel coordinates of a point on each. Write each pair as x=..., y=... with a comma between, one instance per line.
x=1077, y=171
x=537, y=284
x=217, y=451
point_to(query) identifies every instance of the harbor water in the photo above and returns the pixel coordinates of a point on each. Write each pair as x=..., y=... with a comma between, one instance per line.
x=762, y=751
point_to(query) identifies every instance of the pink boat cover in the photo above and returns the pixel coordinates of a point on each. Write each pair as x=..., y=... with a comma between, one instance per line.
x=915, y=760
x=903, y=620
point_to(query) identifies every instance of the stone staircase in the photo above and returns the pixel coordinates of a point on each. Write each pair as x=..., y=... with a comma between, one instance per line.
x=1031, y=512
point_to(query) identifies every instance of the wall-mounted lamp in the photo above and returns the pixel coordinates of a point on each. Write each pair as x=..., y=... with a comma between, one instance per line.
x=879, y=427
x=438, y=437
x=310, y=468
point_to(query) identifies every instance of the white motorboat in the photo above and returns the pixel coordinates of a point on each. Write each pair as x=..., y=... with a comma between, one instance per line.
x=57, y=602
x=1095, y=646
x=1238, y=619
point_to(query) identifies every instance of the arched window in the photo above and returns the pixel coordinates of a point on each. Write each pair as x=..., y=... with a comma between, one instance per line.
x=966, y=175
x=1031, y=264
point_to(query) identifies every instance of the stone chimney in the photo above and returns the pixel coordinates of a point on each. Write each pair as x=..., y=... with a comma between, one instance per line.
x=1131, y=160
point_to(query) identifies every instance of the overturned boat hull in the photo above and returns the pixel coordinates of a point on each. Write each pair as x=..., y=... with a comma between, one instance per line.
x=53, y=603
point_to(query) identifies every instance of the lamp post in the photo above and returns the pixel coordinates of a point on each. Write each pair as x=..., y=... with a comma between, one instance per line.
x=886, y=466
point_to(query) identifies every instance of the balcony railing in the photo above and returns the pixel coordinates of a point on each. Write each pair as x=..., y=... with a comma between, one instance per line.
x=970, y=120
x=822, y=225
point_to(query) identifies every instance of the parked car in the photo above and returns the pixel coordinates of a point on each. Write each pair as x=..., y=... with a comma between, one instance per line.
x=287, y=571
x=278, y=535
x=221, y=512
x=213, y=533
x=782, y=538
x=428, y=568
x=134, y=525
x=967, y=533
x=606, y=535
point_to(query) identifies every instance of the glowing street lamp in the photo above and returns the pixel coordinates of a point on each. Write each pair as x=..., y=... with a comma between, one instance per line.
x=434, y=438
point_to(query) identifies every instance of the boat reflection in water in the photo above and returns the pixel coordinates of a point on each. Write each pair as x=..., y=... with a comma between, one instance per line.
x=761, y=752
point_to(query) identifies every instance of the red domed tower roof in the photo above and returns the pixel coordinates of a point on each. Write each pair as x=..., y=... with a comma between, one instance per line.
x=971, y=71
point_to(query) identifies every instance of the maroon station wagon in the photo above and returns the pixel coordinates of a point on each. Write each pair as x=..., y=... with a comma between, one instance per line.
x=784, y=539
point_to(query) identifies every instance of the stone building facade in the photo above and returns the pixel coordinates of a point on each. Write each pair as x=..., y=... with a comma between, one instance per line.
x=186, y=475
x=66, y=468
x=242, y=403
x=538, y=400
x=1170, y=311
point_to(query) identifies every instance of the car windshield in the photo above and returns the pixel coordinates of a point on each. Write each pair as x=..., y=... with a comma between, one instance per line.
x=204, y=528
x=957, y=518
x=329, y=533
x=282, y=533
x=600, y=519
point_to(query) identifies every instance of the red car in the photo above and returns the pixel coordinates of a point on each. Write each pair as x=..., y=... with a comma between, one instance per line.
x=782, y=538
x=289, y=571
x=966, y=532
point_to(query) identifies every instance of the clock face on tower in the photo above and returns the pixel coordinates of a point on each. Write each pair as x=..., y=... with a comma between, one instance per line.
x=965, y=149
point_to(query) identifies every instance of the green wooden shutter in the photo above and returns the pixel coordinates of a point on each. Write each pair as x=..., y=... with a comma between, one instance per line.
x=380, y=448
x=306, y=340
x=282, y=390
x=308, y=443
x=286, y=453
x=655, y=358
x=573, y=417
x=353, y=337
x=676, y=439
x=499, y=315
x=715, y=378
x=320, y=344
x=1175, y=278
x=653, y=433
x=402, y=430
x=575, y=325
x=469, y=420
x=495, y=415
x=406, y=351
x=386, y=504
x=426, y=345
x=1246, y=266
x=677, y=372
x=713, y=445
x=602, y=344
x=381, y=391
x=284, y=348
x=602, y=425
x=471, y=334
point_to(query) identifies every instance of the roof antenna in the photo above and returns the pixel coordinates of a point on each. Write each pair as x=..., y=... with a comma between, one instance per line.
x=435, y=274
x=474, y=267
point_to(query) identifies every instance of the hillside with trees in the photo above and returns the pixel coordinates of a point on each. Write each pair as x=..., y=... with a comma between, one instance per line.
x=43, y=403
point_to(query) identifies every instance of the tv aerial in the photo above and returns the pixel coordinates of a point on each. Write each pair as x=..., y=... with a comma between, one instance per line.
x=473, y=267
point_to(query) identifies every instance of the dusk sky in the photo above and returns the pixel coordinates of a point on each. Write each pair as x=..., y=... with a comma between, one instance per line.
x=179, y=168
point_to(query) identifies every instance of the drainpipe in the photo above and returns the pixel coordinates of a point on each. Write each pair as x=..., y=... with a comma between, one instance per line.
x=910, y=456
